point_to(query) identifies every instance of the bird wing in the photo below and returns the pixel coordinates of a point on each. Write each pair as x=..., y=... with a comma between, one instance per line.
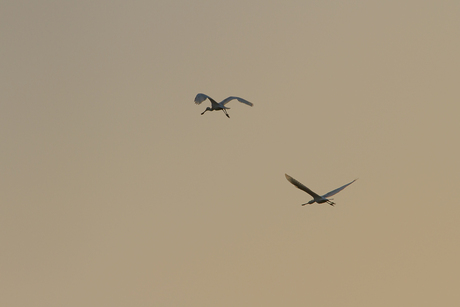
x=202, y=97
x=226, y=100
x=337, y=190
x=301, y=186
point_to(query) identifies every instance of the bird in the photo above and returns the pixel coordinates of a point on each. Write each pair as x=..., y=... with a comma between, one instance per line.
x=219, y=105
x=317, y=198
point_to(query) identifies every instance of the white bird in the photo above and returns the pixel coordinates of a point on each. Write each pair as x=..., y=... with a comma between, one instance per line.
x=218, y=105
x=316, y=198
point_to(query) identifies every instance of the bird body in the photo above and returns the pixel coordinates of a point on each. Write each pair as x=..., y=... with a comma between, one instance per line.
x=215, y=106
x=316, y=198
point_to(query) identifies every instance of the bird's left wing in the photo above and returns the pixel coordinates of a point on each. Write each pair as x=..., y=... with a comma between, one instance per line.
x=226, y=100
x=301, y=186
x=202, y=97
x=337, y=190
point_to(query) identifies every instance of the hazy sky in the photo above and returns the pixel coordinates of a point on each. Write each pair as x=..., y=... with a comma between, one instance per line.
x=115, y=191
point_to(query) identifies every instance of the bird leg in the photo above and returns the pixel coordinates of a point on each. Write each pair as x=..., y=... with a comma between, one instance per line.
x=331, y=203
x=225, y=113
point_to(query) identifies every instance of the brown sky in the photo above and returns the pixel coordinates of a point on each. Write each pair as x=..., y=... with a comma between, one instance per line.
x=115, y=191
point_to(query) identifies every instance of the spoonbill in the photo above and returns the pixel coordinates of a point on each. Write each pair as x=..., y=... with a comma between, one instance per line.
x=219, y=105
x=317, y=198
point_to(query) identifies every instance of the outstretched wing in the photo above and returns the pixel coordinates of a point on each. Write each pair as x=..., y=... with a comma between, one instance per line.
x=337, y=190
x=301, y=186
x=202, y=97
x=226, y=100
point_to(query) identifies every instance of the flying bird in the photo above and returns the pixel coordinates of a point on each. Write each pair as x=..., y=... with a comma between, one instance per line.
x=317, y=198
x=219, y=105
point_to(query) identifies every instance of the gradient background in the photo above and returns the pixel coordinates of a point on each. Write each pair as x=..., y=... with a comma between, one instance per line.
x=115, y=191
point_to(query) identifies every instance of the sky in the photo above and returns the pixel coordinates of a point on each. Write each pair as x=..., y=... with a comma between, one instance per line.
x=115, y=191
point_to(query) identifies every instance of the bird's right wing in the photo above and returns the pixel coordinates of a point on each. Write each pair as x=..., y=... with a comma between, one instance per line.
x=301, y=186
x=333, y=192
x=202, y=97
x=226, y=100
